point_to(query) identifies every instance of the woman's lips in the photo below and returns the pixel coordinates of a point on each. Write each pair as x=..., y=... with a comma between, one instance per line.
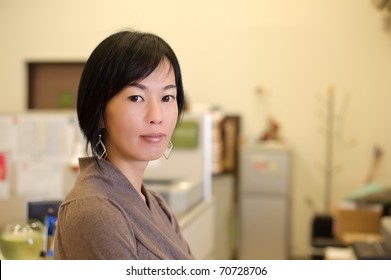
x=153, y=137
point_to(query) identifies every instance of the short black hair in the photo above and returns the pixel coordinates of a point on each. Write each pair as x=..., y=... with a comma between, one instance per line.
x=120, y=59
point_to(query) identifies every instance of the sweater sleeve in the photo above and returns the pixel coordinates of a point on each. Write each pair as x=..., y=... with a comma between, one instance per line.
x=94, y=228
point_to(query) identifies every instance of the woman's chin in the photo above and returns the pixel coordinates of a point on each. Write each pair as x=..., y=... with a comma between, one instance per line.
x=155, y=155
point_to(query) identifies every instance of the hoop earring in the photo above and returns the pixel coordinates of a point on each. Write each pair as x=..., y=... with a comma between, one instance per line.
x=100, y=148
x=168, y=150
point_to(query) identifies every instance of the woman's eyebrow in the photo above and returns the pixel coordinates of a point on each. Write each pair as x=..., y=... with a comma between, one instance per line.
x=138, y=85
x=169, y=87
x=141, y=86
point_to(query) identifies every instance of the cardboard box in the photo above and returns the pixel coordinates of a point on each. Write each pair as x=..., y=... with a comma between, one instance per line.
x=356, y=222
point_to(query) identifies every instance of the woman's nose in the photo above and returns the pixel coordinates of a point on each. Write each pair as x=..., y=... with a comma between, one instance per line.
x=154, y=113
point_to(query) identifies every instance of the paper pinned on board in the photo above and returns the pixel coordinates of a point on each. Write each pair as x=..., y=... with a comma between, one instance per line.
x=7, y=139
x=39, y=179
x=43, y=138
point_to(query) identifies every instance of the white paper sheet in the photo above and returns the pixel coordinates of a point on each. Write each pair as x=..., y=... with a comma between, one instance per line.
x=44, y=138
x=7, y=133
x=39, y=179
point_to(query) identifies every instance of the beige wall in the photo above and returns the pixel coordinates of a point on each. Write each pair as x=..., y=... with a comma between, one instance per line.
x=292, y=50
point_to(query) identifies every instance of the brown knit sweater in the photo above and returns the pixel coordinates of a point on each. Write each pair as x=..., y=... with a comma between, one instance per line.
x=103, y=217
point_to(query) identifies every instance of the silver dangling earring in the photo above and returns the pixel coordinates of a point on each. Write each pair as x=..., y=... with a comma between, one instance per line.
x=168, y=150
x=100, y=148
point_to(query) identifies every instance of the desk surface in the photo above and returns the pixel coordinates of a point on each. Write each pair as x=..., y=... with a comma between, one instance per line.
x=338, y=253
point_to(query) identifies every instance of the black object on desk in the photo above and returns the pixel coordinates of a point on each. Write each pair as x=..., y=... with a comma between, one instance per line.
x=376, y=250
x=322, y=236
x=370, y=251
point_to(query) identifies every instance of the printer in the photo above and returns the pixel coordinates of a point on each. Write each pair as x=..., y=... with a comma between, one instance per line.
x=181, y=195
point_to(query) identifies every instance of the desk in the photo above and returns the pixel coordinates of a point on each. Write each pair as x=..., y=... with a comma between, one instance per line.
x=198, y=228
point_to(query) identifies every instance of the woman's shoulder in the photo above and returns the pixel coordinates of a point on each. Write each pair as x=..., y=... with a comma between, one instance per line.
x=98, y=177
x=90, y=211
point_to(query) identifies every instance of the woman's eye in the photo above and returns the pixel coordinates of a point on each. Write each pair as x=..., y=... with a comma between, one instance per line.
x=168, y=98
x=135, y=98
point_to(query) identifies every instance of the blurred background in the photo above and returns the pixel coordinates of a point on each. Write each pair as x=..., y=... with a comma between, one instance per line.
x=311, y=76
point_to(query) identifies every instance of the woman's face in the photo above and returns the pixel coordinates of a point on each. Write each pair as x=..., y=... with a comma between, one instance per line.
x=141, y=118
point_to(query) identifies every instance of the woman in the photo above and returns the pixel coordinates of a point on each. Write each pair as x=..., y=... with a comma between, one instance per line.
x=129, y=101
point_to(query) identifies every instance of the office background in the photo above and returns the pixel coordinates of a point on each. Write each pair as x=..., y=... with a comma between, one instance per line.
x=254, y=58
